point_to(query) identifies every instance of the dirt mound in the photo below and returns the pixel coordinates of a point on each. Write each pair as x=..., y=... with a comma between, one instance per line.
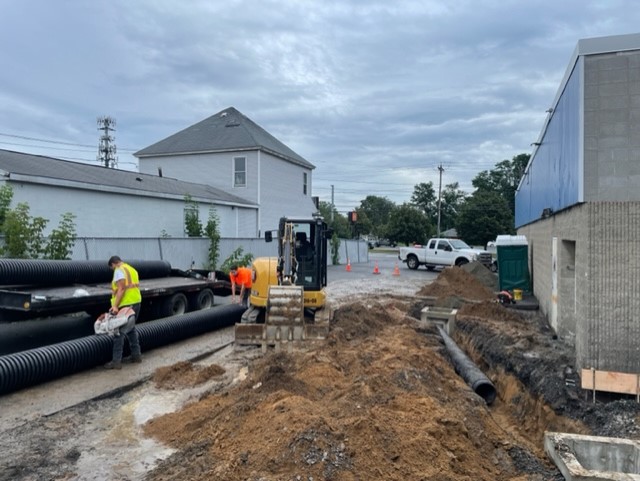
x=482, y=274
x=385, y=406
x=184, y=374
x=454, y=281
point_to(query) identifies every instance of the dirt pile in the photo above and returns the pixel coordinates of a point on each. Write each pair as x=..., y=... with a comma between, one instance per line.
x=377, y=401
x=456, y=282
x=184, y=374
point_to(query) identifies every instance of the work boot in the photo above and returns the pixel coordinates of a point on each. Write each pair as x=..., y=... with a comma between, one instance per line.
x=132, y=359
x=113, y=365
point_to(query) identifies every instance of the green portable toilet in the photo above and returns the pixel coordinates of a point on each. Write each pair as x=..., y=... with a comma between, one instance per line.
x=513, y=263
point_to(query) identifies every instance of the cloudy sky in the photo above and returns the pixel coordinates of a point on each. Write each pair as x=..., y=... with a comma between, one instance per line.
x=376, y=94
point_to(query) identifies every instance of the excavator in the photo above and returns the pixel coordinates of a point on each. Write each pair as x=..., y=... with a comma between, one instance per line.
x=288, y=303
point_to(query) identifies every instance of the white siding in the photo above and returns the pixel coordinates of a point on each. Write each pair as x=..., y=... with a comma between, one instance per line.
x=104, y=214
x=214, y=169
x=279, y=192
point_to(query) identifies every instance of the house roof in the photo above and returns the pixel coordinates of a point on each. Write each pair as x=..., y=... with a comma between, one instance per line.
x=18, y=166
x=228, y=130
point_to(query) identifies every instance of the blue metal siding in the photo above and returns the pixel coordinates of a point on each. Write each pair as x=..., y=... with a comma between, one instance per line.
x=552, y=179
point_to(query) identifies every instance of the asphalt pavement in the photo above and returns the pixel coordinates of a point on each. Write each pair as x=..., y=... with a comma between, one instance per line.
x=387, y=261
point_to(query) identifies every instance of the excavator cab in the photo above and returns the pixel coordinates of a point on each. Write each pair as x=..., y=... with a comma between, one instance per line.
x=288, y=302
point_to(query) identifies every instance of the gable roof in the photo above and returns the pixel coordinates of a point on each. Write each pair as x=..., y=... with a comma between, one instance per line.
x=228, y=130
x=19, y=166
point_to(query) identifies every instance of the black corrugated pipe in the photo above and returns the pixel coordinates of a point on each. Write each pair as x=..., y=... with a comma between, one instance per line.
x=61, y=273
x=466, y=368
x=28, y=368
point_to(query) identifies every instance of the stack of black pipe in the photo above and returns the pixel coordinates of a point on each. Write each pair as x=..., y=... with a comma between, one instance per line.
x=35, y=366
x=62, y=273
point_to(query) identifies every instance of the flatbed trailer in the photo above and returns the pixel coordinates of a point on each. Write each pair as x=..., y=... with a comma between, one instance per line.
x=161, y=297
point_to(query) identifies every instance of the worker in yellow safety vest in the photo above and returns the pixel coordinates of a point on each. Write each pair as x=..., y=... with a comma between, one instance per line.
x=125, y=292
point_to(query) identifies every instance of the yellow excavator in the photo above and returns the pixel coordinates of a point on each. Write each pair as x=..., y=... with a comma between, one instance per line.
x=288, y=302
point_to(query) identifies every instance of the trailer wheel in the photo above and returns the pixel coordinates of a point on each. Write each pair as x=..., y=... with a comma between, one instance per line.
x=201, y=300
x=174, y=306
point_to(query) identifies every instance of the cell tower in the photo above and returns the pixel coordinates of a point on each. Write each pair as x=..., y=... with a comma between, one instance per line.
x=106, y=147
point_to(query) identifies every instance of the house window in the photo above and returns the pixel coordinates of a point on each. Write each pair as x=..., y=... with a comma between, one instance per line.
x=304, y=183
x=239, y=171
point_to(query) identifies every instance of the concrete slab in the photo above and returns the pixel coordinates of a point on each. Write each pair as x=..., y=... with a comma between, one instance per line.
x=51, y=397
x=440, y=316
x=594, y=458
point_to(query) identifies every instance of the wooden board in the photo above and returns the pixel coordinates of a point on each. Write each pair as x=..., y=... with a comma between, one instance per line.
x=610, y=381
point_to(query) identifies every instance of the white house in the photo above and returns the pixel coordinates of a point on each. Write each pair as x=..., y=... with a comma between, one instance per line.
x=118, y=203
x=233, y=154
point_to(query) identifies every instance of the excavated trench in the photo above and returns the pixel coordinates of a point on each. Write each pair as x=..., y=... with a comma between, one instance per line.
x=380, y=399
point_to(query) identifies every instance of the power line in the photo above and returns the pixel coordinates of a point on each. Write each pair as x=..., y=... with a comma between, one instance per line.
x=24, y=137
x=49, y=148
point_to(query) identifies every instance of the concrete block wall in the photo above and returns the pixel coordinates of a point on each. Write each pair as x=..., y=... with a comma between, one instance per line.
x=598, y=275
x=612, y=126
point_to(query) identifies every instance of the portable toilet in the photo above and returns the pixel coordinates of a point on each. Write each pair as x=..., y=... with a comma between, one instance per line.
x=513, y=263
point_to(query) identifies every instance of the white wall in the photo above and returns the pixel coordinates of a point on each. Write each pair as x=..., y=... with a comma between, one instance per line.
x=104, y=214
x=279, y=193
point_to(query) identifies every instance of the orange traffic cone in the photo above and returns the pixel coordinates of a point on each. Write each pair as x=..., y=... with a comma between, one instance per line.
x=375, y=269
x=396, y=271
x=348, y=265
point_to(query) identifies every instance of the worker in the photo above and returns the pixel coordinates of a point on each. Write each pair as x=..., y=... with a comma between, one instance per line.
x=125, y=292
x=240, y=276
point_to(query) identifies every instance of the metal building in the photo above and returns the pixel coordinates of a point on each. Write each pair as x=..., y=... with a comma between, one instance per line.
x=578, y=203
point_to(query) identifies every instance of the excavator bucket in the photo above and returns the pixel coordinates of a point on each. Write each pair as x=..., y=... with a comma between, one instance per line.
x=285, y=324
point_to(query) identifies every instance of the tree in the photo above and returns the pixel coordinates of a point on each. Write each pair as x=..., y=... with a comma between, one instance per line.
x=503, y=178
x=340, y=224
x=23, y=233
x=409, y=224
x=6, y=196
x=452, y=199
x=212, y=231
x=62, y=238
x=192, y=224
x=483, y=216
x=424, y=197
x=377, y=211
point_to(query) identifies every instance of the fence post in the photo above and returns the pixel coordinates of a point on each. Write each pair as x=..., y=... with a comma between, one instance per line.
x=86, y=248
x=160, y=248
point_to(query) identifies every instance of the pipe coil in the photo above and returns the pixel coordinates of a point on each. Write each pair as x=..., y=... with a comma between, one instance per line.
x=60, y=273
x=467, y=369
x=35, y=366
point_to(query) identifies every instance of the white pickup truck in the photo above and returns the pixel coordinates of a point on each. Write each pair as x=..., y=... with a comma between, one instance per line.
x=443, y=252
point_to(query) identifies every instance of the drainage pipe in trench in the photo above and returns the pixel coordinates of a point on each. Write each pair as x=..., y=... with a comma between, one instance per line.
x=35, y=366
x=467, y=369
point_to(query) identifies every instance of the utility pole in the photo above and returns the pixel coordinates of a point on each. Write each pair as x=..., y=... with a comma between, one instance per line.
x=441, y=170
x=332, y=204
x=107, y=150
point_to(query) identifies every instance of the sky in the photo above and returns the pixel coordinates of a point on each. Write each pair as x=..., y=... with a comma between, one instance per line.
x=375, y=94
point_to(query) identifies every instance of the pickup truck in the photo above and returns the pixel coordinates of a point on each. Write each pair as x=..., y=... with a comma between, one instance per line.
x=443, y=252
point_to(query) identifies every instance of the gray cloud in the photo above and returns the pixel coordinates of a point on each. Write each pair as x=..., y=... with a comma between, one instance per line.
x=376, y=94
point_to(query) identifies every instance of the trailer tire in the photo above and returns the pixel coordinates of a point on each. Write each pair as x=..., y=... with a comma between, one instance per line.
x=201, y=300
x=174, y=305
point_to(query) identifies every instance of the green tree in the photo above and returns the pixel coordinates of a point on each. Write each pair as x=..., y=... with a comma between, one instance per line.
x=335, y=249
x=237, y=257
x=340, y=224
x=503, y=178
x=424, y=197
x=212, y=231
x=409, y=224
x=192, y=224
x=6, y=196
x=377, y=211
x=451, y=200
x=484, y=215
x=62, y=238
x=23, y=234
